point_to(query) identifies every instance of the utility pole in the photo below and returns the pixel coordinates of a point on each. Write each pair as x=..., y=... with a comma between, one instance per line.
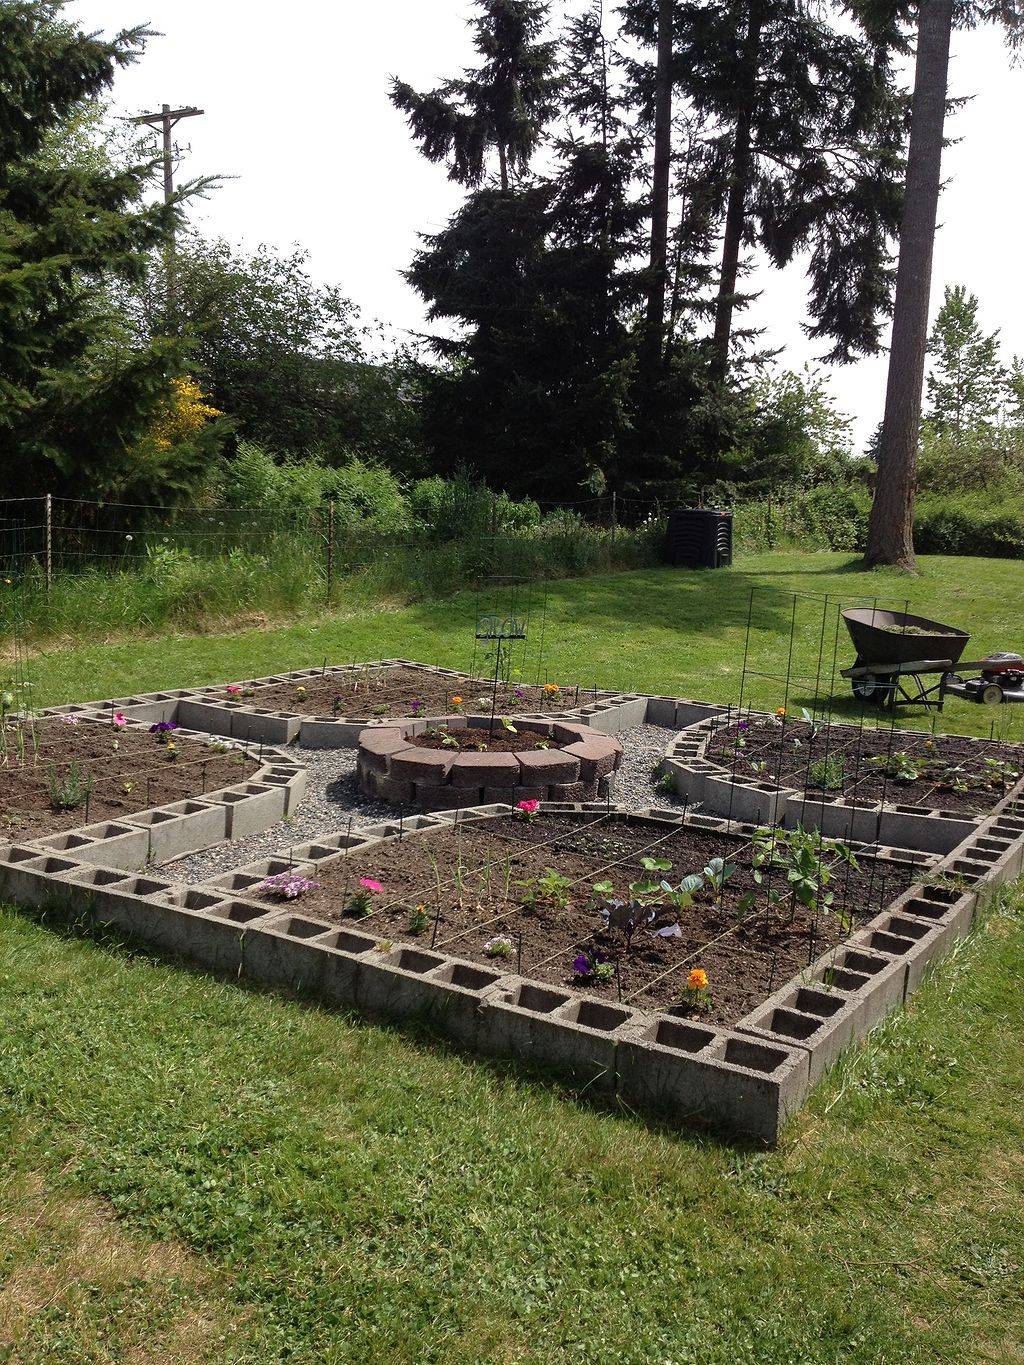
x=164, y=122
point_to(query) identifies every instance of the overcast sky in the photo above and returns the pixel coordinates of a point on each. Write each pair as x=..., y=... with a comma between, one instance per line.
x=297, y=111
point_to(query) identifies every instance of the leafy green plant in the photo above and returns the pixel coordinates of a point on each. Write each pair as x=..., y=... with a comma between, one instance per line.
x=551, y=888
x=802, y=857
x=418, y=919
x=899, y=766
x=718, y=872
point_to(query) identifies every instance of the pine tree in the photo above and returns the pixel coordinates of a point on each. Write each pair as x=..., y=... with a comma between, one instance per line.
x=966, y=382
x=75, y=401
x=500, y=106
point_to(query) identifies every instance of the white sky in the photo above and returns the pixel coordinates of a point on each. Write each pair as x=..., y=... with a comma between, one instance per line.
x=297, y=110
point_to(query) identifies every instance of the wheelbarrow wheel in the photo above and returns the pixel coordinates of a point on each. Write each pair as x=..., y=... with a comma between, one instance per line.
x=868, y=687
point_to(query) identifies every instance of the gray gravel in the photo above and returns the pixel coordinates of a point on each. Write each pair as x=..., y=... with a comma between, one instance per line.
x=332, y=797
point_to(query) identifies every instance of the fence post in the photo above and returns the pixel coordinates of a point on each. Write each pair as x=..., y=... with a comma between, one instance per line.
x=49, y=542
x=330, y=547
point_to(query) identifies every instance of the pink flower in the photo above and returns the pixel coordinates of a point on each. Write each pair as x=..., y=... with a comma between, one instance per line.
x=70, y=720
x=368, y=884
x=119, y=720
x=529, y=807
x=233, y=689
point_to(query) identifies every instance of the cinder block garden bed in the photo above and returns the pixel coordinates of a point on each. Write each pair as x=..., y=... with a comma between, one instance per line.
x=624, y=909
x=954, y=772
x=703, y=966
x=60, y=772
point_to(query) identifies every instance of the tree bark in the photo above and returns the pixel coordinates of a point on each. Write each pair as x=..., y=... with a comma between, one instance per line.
x=891, y=528
x=658, y=272
x=736, y=207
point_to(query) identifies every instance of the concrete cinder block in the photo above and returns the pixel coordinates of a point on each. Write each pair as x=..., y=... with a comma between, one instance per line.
x=251, y=808
x=713, y=1076
x=318, y=732
x=184, y=827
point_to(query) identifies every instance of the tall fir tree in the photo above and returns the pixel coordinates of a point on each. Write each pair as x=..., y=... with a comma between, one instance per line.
x=966, y=381
x=891, y=524
x=76, y=403
x=496, y=109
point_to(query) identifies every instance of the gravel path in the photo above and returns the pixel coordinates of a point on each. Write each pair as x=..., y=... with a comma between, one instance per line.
x=332, y=797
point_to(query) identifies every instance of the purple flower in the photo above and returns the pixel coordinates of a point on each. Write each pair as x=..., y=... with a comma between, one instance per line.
x=743, y=725
x=162, y=727
x=287, y=886
x=518, y=692
x=581, y=965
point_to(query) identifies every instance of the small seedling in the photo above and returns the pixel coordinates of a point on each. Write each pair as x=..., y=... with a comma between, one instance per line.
x=70, y=790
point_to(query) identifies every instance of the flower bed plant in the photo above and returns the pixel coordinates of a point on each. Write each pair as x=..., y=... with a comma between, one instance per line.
x=948, y=772
x=58, y=772
x=676, y=918
x=400, y=690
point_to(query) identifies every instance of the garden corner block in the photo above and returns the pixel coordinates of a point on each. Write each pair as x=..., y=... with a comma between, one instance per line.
x=631, y=1024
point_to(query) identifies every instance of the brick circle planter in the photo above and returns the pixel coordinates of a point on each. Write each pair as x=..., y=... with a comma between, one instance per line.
x=580, y=765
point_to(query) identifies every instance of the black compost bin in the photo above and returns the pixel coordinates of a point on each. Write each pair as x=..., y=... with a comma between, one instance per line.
x=699, y=538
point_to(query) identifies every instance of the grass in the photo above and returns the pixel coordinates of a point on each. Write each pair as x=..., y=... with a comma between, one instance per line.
x=652, y=630
x=191, y=1170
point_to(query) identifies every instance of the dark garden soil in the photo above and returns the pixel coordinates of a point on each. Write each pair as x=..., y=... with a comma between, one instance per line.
x=376, y=693
x=940, y=772
x=105, y=772
x=482, y=740
x=481, y=883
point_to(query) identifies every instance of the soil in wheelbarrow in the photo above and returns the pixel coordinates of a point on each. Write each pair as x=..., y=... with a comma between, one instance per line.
x=940, y=772
x=492, y=883
x=374, y=694
x=55, y=775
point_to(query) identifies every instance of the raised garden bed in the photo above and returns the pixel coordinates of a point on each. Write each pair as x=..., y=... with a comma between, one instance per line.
x=57, y=773
x=519, y=894
x=373, y=693
x=463, y=760
x=948, y=772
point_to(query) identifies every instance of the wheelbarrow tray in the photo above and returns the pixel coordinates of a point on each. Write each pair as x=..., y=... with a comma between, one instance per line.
x=880, y=637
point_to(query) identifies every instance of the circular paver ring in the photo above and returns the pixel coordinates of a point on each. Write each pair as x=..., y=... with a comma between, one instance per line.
x=579, y=766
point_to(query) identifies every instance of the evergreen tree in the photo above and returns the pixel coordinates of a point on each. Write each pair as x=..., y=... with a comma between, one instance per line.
x=75, y=400
x=966, y=383
x=500, y=106
x=891, y=525
x=536, y=390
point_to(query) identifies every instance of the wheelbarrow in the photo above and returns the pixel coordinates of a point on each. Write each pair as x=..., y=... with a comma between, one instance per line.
x=902, y=660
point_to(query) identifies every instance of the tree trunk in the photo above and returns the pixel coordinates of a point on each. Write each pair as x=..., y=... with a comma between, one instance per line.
x=503, y=165
x=736, y=208
x=657, y=273
x=891, y=529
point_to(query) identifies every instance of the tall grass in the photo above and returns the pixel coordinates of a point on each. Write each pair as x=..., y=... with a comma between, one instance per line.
x=178, y=587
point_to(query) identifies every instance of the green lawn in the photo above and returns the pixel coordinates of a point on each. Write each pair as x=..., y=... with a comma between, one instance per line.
x=655, y=630
x=195, y=1171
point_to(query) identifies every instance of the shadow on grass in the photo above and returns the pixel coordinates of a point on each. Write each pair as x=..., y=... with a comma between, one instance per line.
x=77, y=923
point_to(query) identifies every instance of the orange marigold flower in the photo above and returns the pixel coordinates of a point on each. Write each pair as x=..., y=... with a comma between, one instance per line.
x=456, y=701
x=552, y=687
x=780, y=710
x=698, y=979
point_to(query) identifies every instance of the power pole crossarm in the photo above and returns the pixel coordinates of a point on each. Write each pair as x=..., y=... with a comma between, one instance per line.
x=164, y=121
